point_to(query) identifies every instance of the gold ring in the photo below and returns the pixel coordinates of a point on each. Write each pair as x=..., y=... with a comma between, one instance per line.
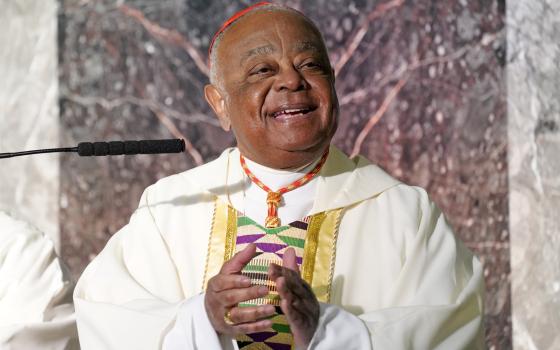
x=227, y=318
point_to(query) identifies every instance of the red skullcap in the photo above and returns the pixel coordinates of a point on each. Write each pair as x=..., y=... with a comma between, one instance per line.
x=232, y=19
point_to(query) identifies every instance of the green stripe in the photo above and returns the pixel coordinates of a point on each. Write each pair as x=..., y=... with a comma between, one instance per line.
x=281, y=328
x=246, y=221
x=275, y=231
x=259, y=268
x=292, y=241
x=245, y=305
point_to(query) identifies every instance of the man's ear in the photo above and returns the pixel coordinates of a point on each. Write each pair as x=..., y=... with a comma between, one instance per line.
x=217, y=101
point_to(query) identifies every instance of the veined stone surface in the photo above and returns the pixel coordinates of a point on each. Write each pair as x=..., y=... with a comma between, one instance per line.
x=29, y=112
x=421, y=85
x=534, y=171
x=444, y=129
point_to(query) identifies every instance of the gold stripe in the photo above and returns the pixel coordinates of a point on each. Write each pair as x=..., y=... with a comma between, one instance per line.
x=256, y=346
x=320, y=252
x=310, y=247
x=325, y=260
x=281, y=338
x=216, y=242
x=243, y=337
x=231, y=234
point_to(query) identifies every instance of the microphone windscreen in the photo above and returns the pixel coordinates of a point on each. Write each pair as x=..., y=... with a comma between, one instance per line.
x=161, y=146
x=100, y=148
x=115, y=148
x=131, y=147
x=85, y=149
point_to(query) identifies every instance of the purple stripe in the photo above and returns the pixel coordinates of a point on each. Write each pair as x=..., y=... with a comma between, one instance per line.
x=270, y=247
x=261, y=336
x=299, y=224
x=248, y=238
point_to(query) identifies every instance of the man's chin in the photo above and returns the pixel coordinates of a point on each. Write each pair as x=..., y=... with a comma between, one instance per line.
x=310, y=147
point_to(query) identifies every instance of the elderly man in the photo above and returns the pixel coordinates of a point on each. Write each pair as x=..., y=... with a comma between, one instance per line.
x=283, y=241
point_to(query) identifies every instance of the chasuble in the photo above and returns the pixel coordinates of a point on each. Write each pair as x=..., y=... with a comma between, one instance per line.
x=390, y=275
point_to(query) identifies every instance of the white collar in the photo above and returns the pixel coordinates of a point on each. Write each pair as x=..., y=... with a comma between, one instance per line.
x=341, y=182
x=277, y=178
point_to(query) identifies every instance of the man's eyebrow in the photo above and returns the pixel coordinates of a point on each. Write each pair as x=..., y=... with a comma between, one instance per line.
x=301, y=46
x=257, y=51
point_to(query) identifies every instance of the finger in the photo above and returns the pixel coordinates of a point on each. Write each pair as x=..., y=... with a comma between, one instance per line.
x=251, y=314
x=289, y=260
x=239, y=260
x=286, y=309
x=274, y=271
x=294, y=312
x=222, y=282
x=298, y=298
x=253, y=327
x=283, y=291
x=232, y=297
x=297, y=286
x=293, y=280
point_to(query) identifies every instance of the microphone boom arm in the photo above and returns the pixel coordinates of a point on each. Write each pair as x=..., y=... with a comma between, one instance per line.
x=112, y=148
x=38, y=151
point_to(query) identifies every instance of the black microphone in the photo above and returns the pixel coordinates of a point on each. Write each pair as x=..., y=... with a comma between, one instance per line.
x=113, y=148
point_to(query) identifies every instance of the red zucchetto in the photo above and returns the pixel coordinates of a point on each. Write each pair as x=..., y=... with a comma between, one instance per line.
x=234, y=18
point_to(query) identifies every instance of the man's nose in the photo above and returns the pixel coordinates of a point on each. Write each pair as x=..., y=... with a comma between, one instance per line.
x=290, y=79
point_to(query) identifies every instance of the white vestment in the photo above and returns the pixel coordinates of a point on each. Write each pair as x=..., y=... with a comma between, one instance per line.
x=401, y=279
x=36, y=309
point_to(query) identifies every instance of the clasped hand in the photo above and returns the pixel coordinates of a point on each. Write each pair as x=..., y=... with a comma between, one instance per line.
x=229, y=288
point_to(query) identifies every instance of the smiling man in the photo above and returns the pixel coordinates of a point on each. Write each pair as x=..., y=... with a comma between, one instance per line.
x=282, y=242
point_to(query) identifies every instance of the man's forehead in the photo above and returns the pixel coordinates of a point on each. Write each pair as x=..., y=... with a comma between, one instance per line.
x=255, y=35
x=262, y=24
x=297, y=45
x=263, y=31
x=270, y=48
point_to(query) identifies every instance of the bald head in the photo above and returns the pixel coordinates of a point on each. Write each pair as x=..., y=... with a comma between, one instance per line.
x=216, y=59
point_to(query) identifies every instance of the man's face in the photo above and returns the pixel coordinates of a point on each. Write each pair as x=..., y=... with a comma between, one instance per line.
x=277, y=89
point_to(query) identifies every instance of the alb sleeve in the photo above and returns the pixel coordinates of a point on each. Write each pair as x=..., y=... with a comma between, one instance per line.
x=129, y=295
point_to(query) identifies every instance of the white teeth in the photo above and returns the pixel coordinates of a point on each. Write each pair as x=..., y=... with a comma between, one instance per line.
x=290, y=111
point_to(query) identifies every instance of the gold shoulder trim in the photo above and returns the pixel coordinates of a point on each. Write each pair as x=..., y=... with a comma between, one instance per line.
x=221, y=243
x=320, y=251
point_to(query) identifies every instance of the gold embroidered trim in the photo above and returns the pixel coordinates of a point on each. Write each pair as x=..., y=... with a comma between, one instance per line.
x=310, y=248
x=231, y=233
x=216, y=242
x=333, y=254
x=320, y=251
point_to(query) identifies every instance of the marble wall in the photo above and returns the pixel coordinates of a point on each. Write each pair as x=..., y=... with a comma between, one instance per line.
x=534, y=168
x=29, y=112
x=421, y=85
x=423, y=92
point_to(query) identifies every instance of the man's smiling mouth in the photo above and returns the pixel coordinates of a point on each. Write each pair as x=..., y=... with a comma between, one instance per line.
x=289, y=112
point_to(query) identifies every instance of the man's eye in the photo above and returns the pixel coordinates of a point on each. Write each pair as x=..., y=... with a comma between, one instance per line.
x=311, y=65
x=260, y=70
